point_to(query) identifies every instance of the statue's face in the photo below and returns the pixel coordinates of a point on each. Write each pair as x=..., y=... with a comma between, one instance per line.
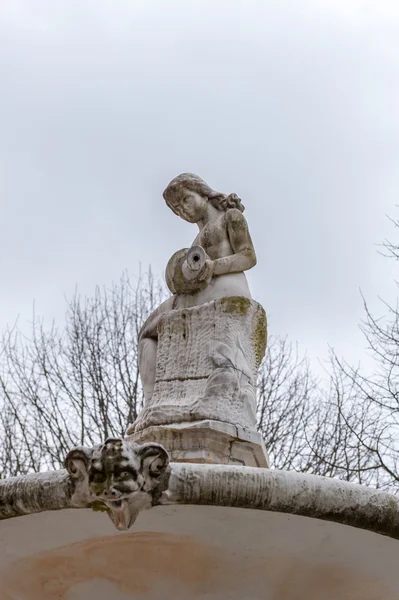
x=189, y=205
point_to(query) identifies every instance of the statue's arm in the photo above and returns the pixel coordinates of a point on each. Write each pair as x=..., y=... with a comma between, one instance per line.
x=150, y=327
x=244, y=256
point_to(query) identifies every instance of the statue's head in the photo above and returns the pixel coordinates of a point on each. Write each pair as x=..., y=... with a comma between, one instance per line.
x=188, y=196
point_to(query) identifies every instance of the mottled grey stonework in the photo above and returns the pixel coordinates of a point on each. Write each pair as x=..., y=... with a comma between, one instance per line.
x=219, y=485
x=118, y=477
x=207, y=363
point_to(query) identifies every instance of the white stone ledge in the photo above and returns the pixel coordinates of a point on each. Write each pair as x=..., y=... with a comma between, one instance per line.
x=220, y=485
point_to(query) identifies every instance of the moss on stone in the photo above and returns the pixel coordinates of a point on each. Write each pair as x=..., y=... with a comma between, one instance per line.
x=99, y=507
x=392, y=515
x=237, y=304
x=259, y=337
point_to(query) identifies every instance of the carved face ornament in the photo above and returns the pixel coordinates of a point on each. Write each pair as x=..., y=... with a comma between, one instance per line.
x=122, y=476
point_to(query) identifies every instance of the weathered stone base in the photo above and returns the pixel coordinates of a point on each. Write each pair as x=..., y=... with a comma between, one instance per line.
x=207, y=363
x=207, y=441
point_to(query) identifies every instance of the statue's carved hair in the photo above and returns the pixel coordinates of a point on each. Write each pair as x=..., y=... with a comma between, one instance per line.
x=194, y=183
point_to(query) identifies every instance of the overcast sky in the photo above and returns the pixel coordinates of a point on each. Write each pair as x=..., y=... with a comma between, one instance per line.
x=292, y=104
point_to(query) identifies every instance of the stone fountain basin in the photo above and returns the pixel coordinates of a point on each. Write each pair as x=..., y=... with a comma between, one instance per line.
x=192, y=552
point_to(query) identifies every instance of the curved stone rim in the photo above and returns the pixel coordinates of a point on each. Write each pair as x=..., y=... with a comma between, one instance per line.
x=228, y=485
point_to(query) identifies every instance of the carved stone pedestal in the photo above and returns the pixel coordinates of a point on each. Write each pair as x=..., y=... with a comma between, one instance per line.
x=213, y=442
x=204, y=404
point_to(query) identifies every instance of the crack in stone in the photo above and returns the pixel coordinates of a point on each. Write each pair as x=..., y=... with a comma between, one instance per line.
x=183, y=379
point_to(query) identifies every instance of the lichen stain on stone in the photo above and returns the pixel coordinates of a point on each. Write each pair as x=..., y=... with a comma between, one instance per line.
x=237, y=304
x=160, y=565
x=99, y=507
x=259, y=337
x=392, y=512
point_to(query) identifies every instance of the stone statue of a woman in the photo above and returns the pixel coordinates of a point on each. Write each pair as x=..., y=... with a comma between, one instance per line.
x=227, y=252
x=200, y=350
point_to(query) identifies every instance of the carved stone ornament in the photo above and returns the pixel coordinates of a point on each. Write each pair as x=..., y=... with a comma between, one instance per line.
x=119, y=477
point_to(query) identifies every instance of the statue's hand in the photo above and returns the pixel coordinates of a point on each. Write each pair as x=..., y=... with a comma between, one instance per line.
x=206, y=273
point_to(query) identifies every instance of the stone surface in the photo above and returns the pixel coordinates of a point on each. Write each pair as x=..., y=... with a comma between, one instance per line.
x=117, y=477
x=207, y=362
x=219, y=485
x=194, y=552
x=208, y=442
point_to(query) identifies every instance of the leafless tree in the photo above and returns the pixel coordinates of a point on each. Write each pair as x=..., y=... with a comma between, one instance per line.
x=371, y=410
x=301, y=421
x=285, y=395
x=77, y=385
